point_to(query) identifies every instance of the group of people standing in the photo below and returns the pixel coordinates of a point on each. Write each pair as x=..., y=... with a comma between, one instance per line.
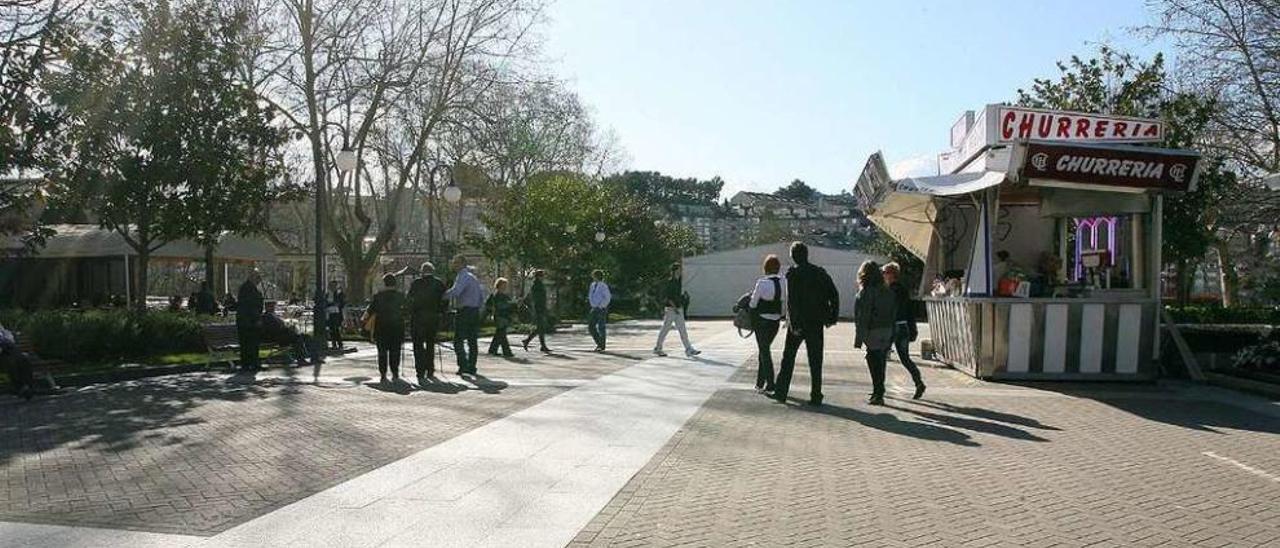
x=429, y=301
x=805, y=302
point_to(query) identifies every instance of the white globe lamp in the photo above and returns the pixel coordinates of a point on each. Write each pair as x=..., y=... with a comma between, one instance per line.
x=345, y=160
x=599, y=235
x=452, y=193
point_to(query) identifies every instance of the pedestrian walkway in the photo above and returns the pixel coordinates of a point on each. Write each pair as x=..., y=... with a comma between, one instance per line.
x=533, y=477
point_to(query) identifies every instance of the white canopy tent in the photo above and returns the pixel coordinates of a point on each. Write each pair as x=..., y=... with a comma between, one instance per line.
x=77, y=241
x=716, y=280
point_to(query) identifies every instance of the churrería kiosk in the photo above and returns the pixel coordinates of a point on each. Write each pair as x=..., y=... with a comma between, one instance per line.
x=1041, y=241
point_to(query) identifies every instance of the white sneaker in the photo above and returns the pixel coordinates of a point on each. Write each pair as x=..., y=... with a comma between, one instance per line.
x=659, y=352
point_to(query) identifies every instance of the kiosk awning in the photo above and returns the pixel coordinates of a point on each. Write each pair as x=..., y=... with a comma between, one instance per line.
x=904, y=208
x=950, y=185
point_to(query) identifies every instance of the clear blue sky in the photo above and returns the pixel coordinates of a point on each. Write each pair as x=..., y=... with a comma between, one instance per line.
x=761, y=92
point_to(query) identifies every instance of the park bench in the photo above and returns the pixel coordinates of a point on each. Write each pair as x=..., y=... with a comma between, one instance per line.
x=224, y=337
x=221, y=337
x=40, y=367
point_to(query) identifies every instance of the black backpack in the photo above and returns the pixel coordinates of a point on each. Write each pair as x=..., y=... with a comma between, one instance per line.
x=743, y=317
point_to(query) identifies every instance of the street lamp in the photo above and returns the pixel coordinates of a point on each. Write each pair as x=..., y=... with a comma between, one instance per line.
x=345, y=161
x=452, y=193
x=600, y=236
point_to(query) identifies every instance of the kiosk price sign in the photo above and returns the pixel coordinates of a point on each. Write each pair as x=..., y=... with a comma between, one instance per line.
x=1109, y=167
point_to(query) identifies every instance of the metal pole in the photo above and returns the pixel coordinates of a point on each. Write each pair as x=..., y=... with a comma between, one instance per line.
x=1156, y=268
x=317, y=326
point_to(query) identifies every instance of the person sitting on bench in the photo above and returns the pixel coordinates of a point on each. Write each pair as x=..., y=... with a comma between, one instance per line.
x=274, y=330
x=16, y=364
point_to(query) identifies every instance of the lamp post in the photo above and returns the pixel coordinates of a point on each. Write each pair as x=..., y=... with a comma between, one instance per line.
x=345, y=161
x=600, y=236
x=453, y=195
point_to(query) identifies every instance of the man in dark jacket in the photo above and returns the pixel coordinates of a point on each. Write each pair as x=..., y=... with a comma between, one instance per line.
x=674, y=305
x=538, y=305
x=249, y=321
x=426, y=306
x=813, y=304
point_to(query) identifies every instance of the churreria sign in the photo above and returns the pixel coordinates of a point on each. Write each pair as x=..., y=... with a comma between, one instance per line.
x=1059, y=164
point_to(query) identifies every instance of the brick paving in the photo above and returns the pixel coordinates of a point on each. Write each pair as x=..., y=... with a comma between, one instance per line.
x=197, y=454
x=974, y=464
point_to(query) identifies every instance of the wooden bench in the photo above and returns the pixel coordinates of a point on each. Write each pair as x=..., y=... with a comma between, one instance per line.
x=220, y=337
x=225, y=337
x=40, y=367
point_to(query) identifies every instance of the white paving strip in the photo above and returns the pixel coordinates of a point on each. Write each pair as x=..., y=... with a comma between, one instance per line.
x=534, y=478
x=30, y=535
x=1250, y=469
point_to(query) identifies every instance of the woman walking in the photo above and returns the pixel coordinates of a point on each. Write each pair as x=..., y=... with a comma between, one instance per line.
x=501, y=306
x=387, y=309
x=767, y=304
x=874, y=313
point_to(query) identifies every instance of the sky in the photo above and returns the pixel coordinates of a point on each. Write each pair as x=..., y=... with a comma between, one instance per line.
x=761, y=92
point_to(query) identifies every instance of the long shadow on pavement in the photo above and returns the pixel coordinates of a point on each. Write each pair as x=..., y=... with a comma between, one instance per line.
x=887, y=422
x=980, y=413
x=974, y=425
x=1167, y=405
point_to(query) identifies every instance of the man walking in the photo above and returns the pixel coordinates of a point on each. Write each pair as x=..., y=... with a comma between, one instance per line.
x=673, y=306
x=426, y=305
x=904, y=325
x=467, y=296
x=538, y=305
x=598, y=297
x=249, y=321
x=813, y=304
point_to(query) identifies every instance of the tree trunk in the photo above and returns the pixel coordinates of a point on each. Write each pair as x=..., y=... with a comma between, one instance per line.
x=210, y=272
x=1227, y=273
x=1183, y=284
x=141, y=282
x=357, y=278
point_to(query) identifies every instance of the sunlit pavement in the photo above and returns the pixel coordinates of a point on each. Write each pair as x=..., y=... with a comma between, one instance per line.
x=631, y=450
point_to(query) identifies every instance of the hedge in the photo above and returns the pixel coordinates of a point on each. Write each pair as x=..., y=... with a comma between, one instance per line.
x=96, y=335
x=1221, y=315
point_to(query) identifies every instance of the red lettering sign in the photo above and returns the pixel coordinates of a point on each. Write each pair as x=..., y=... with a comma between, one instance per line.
x=1017, y=123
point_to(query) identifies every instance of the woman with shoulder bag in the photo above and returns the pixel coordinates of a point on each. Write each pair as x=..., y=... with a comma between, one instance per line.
x=874, y=313
x=768, y=307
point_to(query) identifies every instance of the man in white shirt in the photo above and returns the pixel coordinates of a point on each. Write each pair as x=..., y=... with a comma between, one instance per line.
x=598, y=296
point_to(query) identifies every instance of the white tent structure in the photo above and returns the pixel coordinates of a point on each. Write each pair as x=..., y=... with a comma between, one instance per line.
x=716, y=280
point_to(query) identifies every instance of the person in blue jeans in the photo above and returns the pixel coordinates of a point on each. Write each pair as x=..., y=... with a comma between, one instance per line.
x=598, y=296
x=468, y=297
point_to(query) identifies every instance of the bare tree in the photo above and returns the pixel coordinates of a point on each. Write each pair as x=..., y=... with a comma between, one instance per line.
x=1230, y=50
x=381, y=77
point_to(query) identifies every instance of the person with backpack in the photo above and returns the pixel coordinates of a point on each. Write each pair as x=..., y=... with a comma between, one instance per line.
x=768, y=308
x=813, y=304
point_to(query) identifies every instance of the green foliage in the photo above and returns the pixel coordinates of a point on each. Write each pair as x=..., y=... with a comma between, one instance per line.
x=162, y=138
x=92, y=335
x=1118, y=83
x=658, y=189
x=552, y=222
x=797, y=190
x=1200, y=314
x=879, y=243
